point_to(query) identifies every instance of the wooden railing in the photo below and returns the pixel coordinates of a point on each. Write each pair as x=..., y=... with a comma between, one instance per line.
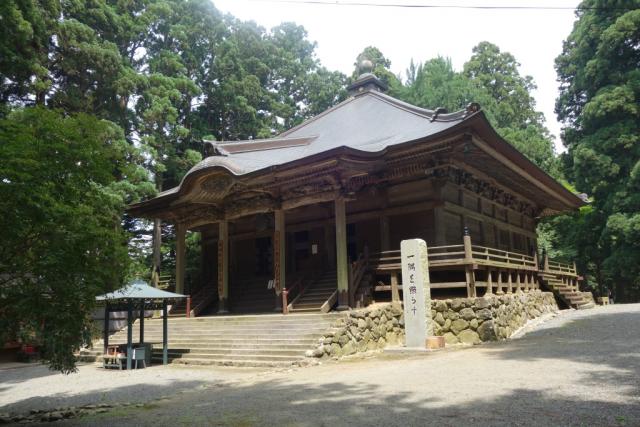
x=297, y=287
x=501, y=269
x=499, y=258
x=560, y=268
x=357, y=270
x=454, y=255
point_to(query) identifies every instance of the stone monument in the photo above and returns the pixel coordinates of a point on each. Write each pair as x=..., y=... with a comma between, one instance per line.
x=416, y=293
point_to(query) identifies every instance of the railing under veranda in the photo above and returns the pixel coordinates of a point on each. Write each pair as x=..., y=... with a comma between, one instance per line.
x=504, y=271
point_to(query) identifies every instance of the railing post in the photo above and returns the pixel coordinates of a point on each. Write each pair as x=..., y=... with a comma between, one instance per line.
x=535, y=260
x=285, y=303
x=468, y=258
x=546, y=262
x=395, y=293
x=489, y=290
x=188, y=310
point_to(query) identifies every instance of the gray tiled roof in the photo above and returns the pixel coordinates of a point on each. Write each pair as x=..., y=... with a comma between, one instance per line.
x=370, y=121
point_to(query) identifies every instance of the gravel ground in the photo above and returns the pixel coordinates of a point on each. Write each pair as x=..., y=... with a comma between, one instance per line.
x=581, y=368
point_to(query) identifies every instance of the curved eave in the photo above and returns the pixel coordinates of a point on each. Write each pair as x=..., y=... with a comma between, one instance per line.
x=489, y=135
x=476, y=122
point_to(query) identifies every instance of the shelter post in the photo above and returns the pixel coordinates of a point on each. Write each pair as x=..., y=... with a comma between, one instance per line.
x=142, y=322
x=165, y=350
x=341, y=254
x=223, y=266
x=129, y=332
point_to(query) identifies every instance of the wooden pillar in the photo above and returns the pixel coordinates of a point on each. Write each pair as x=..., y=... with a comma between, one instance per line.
x=157, y=255
x=499, y=290
x=279, y=257
x=489, y=290
x=105, y=337
x=223, y=266
x=141, y=334
x=181, y=250
x=526, y=281
x=165, y=347
x=509, y=283
x=439, y=226
x=129, y=333
x=385, y=244
x=518, y=282
x=329, y=237
x=341, y=254
x=468, y=268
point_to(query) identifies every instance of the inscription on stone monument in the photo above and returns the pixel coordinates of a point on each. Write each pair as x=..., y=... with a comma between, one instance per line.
x=416, y=292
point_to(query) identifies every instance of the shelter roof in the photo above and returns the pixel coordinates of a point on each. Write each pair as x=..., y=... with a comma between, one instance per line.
x=138, y=290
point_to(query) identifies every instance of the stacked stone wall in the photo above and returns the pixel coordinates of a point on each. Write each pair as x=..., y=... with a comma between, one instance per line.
x=460, y=321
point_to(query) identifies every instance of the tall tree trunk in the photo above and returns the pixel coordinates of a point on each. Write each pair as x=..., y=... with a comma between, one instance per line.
x=599, y=279
x=157, y=241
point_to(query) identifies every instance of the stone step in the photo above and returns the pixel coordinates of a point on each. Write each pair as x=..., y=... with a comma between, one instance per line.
x=261, y=343
x=236, y=363
x=297, y=309
x=234, y=356
x=292, y=353
x=212, y=337
x=246, y=320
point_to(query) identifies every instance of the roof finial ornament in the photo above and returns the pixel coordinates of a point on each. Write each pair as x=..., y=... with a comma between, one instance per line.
x=366, y=81
x=365, y=67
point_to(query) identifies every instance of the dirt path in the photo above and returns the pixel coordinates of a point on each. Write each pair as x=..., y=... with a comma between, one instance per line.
x=582, y=368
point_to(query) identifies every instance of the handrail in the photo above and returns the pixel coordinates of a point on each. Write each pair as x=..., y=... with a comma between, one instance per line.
x=298, y=283
x=450, y=254
x=356, y=274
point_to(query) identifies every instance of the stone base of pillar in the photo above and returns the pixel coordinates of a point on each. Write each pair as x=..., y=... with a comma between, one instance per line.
x=223, y=306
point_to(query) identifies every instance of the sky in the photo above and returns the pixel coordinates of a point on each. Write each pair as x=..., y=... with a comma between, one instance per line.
x=533, y=36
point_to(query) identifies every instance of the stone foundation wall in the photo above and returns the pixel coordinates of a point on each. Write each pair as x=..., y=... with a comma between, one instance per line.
x=460, y=320
x=474, y=320
x=361, y=330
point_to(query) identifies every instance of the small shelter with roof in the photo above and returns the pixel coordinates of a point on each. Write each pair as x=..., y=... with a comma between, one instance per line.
x=312, y=219
x=137, y=295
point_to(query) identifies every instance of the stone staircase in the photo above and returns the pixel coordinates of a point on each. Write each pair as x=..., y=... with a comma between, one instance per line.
x=316, y=294
x=566, y=293
x=268, y=340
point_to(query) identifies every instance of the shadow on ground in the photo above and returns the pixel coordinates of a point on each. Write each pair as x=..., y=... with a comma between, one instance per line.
x=606, y=341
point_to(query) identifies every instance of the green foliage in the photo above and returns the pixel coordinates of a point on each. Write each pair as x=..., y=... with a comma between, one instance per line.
x=600, y=94
x=492, y=79
x=60, y=207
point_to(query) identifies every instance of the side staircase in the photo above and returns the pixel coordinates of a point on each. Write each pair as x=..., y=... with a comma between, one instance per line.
x=318, y=296
x=200, y=301
x=268, y=340
x=565, y=292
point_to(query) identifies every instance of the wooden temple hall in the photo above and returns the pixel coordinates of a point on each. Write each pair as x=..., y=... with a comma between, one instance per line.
x=312, y=219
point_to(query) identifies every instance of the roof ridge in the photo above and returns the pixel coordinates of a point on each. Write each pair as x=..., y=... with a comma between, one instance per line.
x=433, y=115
